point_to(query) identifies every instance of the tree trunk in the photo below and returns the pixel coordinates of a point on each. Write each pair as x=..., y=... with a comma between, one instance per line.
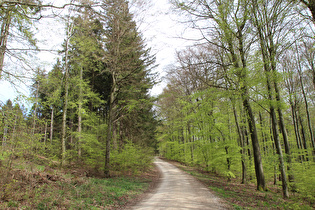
x=80, y=113
x=45, y=134
x=109, y=127
x=35, y=109
x=294, y=113
x=273, y=117
x=51, y=124
x=65, y=105
x=306, y=107
x=279, y=110
x=242, y=75
x=296, y=127
x=64, y=121
x=304, y=143
x=279, y=152
x=5, y=27
x=268, y=62
x=263, y=135
x=4, y=138
x=261, y=185
x=241, y=143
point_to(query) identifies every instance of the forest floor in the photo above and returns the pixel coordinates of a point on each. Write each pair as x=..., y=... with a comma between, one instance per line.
x=38, y=183
x=246, y=196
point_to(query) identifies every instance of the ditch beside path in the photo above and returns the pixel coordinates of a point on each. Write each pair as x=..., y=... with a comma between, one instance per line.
x=178, y=190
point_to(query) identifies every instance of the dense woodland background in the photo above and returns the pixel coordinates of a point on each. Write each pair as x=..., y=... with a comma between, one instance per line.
x=239, y=103
x=93, y=106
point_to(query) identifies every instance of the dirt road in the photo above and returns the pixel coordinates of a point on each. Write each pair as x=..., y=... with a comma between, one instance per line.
x=178, y=190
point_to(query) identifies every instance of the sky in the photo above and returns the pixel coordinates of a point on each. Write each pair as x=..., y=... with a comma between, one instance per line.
x=155, y=21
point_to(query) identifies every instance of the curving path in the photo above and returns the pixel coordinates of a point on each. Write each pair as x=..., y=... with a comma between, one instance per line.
x=178, y=190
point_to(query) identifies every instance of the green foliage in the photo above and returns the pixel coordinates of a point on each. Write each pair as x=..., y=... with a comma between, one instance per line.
x=304, y=180
x=217, y=97
x=131, y=159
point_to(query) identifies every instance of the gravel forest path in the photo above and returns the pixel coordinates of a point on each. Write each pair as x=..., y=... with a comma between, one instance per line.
x=178, y=190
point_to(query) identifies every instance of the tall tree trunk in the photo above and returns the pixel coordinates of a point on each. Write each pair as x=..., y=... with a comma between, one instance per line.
x=4, y=138
x=304, y=143
x=261, y=185
x=263, y=135
x=279, y=151
x=241, y=143
x=35, y=109
x=45, y=134
x=306, y=106
x=109, y=127
x=295, y=124
x=273, y=117
x=13, y=129
x=5, y=27
x=65, y=103
x=294, y=113
x=64, y=122
x=80, y=113
x=242, y=76
x=283, y=130
x=51, y=124
x=268, y=63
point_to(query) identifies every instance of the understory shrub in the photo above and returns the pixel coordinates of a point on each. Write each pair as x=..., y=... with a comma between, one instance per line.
x=132, y=159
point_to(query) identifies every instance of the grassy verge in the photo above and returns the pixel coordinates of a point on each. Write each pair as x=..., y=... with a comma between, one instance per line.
x=241, y=196
x=30, y=186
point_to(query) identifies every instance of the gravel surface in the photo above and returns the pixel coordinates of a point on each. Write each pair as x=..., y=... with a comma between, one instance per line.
x=178, y=190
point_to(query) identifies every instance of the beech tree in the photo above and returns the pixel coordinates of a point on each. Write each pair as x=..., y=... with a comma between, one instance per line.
x=270, y=42
x=247, y=58
x=231, y=20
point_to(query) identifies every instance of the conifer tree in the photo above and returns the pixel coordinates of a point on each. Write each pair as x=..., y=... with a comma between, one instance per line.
x=127, y=63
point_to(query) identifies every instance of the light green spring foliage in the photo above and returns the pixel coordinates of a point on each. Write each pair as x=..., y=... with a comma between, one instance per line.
x=131, y=159
x=203, y=133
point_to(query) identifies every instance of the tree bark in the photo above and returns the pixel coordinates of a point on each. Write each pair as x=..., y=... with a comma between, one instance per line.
x=5, y=27
x=261, y=185
x=4, y=138
x=51, y=124
x=269, y=68
x=241, y=143
x=65, y=104
x=36, y=104
x=273, y=117
x=309, y=123
x=109, y=127
x=45, y=134
x=80, y=113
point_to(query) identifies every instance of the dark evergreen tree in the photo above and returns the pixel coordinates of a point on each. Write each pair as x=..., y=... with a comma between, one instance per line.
x=127, y=62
